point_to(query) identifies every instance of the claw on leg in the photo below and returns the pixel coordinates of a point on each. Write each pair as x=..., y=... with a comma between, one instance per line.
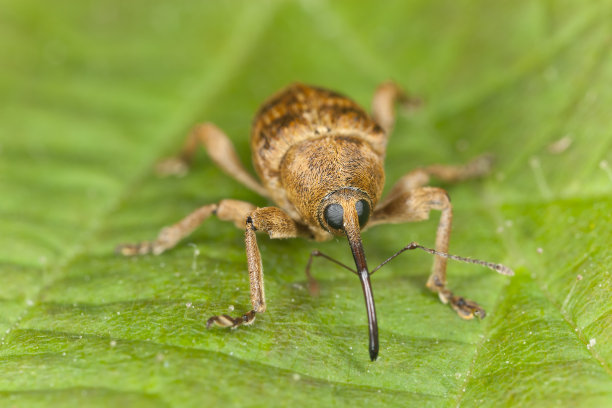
x=228, y=321
x=172, y=166
x=479, y=166
x=168, y=237
x=140, y=248
x=465, y=308
x=313, y=285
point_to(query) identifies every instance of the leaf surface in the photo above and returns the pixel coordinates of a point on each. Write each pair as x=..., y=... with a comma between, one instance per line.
x=96, y=92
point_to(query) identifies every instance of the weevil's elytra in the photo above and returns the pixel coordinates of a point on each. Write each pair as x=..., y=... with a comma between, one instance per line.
x=311, y=131
x=320, y=158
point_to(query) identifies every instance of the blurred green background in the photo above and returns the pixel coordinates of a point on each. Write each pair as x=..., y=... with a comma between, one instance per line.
x=95, y=92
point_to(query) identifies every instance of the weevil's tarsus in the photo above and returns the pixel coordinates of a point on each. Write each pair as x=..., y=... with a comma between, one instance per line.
x=228, y=321
x=465, y=308
x=172, y=166
x=313, y=285
x=139, y=248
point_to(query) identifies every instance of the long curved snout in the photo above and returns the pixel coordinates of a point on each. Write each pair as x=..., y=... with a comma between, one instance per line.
x=352, y=230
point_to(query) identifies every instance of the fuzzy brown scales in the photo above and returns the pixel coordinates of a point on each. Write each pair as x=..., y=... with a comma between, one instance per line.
x=320, y=157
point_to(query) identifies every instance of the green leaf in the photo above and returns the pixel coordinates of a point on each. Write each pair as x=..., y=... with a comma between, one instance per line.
x=94, y=93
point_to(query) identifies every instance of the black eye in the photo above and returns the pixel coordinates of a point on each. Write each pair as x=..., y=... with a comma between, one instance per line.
x=363, y=211
x=334, y=215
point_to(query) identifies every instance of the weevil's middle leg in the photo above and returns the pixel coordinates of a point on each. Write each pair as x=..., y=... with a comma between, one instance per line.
x=478, y=167
x=416, y=205
x=313, y=285
x=168, y=237
x=277, y=224
x=258, y=296
x=221, y=151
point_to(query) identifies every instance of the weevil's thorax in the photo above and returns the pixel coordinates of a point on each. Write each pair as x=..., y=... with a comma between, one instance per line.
x=316, y=170
x=307, y=141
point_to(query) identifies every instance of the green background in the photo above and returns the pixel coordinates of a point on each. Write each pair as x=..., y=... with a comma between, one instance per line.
x=95, y=92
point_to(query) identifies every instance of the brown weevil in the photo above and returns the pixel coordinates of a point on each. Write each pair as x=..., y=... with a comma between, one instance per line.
x=320, y=159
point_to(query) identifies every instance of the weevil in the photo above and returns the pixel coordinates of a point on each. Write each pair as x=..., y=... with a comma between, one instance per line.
x=319, y=157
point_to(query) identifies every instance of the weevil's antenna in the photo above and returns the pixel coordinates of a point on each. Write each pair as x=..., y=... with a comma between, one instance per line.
x=499, y=268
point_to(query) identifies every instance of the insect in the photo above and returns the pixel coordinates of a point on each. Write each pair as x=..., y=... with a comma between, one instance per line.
x=320, y=159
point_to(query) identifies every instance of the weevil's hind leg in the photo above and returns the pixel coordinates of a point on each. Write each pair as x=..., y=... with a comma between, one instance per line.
x=277, y=224
x=415, y=205
x=168, y=237
x=478, y=167
x=313, y=285
x=383, y=104
x=221, y=151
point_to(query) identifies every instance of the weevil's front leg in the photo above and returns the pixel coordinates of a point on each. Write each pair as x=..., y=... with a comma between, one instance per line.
x=277, y=224
x=416, y=205
x=168, y=237
x=383, y=104
x=478, y=167
x=221, y=151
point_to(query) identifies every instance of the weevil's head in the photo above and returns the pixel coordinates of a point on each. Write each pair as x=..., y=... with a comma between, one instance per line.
x=328, y=177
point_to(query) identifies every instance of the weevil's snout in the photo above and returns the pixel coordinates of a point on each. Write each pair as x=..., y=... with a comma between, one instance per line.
x=352, y=231
x=346, y=212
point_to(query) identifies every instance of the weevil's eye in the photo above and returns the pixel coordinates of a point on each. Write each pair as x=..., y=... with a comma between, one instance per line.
x=363, y=211
x=334, y=215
